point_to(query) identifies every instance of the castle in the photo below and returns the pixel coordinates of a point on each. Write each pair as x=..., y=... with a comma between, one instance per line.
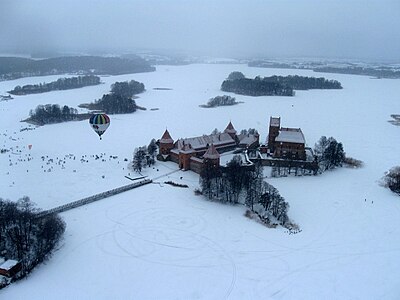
x=193, y=153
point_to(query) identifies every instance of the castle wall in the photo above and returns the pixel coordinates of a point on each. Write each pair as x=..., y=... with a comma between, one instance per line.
x=196, y=165
x=290, y=150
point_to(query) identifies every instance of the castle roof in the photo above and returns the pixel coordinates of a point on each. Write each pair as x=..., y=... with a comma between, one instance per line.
x=248, y=139
x=211, y=153
x=187, y=148
x=291, y=135
x=230, y=128
x=202, y=142
x=166, y=138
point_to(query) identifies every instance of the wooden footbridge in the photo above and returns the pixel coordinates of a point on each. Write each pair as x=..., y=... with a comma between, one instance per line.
x=94, y=198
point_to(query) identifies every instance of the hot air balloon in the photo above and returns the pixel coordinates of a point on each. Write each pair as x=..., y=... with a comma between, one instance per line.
x=99, y=123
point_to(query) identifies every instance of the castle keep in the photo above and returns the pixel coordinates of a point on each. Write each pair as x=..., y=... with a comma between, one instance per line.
x=285, y=142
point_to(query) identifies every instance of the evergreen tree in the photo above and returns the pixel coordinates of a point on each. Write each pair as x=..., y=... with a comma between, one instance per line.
x=330, y=153
x=139, y=159
x=152, y=148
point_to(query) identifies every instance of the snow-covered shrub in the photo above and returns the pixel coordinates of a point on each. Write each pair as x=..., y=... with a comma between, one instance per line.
x=392, y=179
x=353, y=163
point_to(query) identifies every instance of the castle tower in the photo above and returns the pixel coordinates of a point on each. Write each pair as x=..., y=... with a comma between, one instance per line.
x=274, y=127
x=211, y=157
x=231, y=130
x=166, y=143
x=184, y=156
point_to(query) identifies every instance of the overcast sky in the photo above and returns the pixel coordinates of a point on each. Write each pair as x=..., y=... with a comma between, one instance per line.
x=368, y=29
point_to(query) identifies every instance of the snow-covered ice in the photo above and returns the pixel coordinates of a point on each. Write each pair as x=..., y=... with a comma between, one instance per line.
x=163, y=242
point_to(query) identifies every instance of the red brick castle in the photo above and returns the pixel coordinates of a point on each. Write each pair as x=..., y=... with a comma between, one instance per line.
x=193, y=153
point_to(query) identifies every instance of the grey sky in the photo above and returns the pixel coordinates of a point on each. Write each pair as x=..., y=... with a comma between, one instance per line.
x=353, y=29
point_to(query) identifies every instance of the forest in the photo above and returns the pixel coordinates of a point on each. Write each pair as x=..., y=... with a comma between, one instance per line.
x=53, y=113
x=236, y=184
x=305, y=83
x=378, y=71
x=274, y=85
x=256, y=87
x=16, y=67
x=119, y=100
x=25, y=237
x=59, y=84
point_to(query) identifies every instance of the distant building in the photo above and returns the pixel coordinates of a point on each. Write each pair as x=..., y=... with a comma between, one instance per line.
x=284, y=142
x=9, y=267
x=192, y=153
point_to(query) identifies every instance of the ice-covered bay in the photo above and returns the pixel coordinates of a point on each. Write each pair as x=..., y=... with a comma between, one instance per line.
x=164, y=242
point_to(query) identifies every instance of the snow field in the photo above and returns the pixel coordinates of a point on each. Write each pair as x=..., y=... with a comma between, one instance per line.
x=164, y=242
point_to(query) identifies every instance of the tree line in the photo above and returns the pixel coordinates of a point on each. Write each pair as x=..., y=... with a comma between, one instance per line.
x=59, y=84
x=53, y=113
x=274, y=85
x=305, y=83
x=236, y=184
x=119, y=100
x=26, y=238
x=256, y=87
x=379, y=71
x=15, y=67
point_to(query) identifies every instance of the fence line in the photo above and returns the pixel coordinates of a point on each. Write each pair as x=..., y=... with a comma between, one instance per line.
x=93, y=198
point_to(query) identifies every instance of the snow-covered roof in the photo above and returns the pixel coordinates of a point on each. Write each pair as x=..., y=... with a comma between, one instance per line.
x=187, y=148
x=230, y=128
x=275, y=121
x=291, y=135
x=247, y=139
x=211, y=153
x=201, y=142
x=166, y=138
x=8, y=264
